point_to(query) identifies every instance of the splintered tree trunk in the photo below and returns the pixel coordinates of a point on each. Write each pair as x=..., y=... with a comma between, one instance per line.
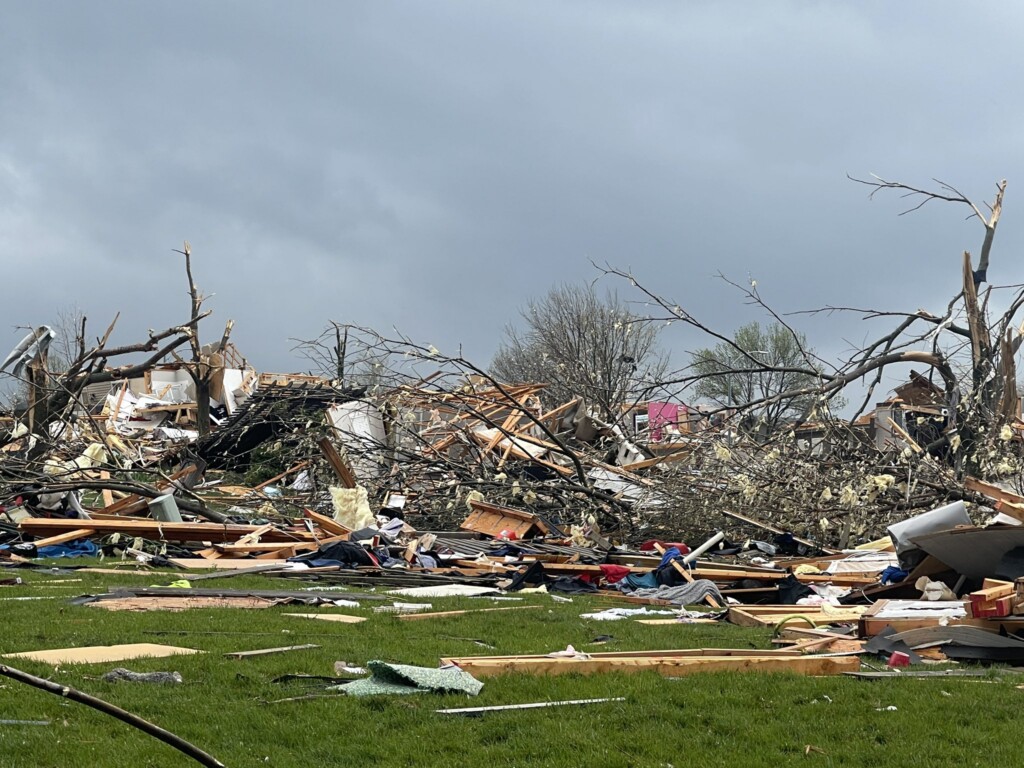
x=37, y=393
x=203, y=406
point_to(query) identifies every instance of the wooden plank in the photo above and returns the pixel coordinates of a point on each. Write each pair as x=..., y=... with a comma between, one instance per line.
x=668, y=667
x=269, y=651
x=676, y=622
x=990, y=491
x=268, y=547
x=902, y=434
x=677, y=653
x=329, y=524
x=444, y=614
x=156, y=530
x=279, y=554
x=773, y=529
x=728, y=575
x=341, y=469
x=106, y=494
x=63, y=538
x=648, y=463
x=748, y=616
x=275, y=478
x=491, y=519
x=992, y=590
x=342, y=618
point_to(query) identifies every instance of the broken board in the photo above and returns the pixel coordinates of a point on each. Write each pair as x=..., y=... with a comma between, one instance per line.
x=491, y=520
x=772, y=615
x=343, y=618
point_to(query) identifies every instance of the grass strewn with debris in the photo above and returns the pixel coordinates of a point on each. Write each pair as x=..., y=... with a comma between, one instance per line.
x=224, y=705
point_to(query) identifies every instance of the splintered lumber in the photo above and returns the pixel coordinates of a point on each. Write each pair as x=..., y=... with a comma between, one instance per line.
x=275, y=478
x=268, y=651
x=668, y=666
x=991, y=491
x=443, y=614
x=341, y=469
x=154, y=529
x=683, y=453
x=101, y=654
x=491, y=519
x=779, y=531
x=106, y=494
x=329, y=524
x=904, y=615
x=1004, y=501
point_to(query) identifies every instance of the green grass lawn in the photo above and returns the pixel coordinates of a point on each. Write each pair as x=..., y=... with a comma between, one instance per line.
x=723, y=719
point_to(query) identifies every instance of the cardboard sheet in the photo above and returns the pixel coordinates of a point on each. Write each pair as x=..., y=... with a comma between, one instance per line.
x=102, y=654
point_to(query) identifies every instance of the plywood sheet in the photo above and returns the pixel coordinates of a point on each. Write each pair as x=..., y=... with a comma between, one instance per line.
x=102, y=654
x=179, y=603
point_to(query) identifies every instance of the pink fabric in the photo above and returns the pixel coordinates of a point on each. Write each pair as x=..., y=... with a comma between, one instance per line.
x=660, y=414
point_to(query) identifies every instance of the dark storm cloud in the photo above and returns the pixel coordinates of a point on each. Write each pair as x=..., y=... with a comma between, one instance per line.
x=431, y=166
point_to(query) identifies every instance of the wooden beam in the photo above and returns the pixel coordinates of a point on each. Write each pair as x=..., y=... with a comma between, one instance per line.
x=341, y=469
x=667, y=666
x=268, y=651
x=156, y=530
x=773, y=529
x=63, y=538
x=329, y=524
x=445, y=614
x=275, y=478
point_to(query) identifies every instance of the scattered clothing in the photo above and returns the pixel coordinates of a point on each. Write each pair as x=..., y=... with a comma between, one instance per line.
x=689, y=593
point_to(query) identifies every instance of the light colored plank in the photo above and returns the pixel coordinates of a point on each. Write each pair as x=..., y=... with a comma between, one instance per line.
x=342, y=618
x=668, y=667
x=269, y=651
x=102, y=654
x=444, y=614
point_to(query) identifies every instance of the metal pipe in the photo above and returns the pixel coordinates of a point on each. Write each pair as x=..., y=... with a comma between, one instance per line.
x=703, y=548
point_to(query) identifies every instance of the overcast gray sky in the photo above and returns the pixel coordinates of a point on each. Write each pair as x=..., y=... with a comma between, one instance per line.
x=432, y=165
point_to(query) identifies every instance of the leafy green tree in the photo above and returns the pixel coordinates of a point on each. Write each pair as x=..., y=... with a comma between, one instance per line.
x=759, y=363
x=581, y=344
